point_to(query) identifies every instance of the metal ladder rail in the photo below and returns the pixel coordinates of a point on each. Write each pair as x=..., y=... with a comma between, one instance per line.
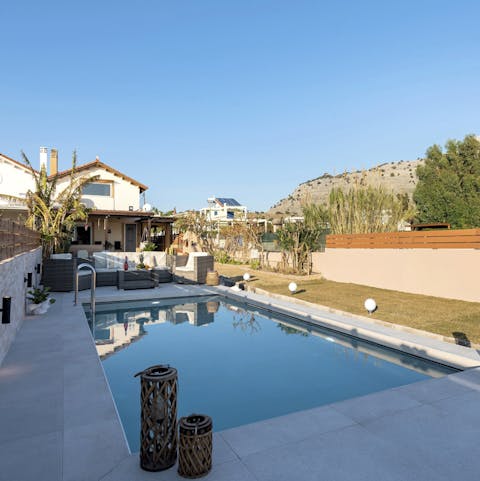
x=92, y=285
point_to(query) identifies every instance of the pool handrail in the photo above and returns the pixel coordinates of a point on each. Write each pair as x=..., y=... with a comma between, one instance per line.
x=92, y=285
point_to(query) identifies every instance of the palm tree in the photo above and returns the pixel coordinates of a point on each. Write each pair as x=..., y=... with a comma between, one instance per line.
x=55, y=215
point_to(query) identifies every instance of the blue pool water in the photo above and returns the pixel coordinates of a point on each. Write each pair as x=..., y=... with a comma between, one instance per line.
x=239, y=364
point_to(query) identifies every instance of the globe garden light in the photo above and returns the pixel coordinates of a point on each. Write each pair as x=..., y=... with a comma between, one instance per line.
x=292, y=287
x=370, y=305
x=246, y=277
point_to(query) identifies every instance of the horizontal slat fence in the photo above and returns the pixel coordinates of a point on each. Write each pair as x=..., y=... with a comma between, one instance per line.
x=434, y=239
x=15, y=238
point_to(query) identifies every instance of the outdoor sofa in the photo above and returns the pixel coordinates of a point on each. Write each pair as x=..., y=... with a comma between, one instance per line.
x=59, y=273
x=192, y=269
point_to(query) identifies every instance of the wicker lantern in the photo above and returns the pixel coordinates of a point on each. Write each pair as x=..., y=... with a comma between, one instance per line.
x=212, y=278
x=195, y=446
x=158, y=434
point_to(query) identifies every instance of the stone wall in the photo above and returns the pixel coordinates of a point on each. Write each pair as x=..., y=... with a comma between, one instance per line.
x=12, y=274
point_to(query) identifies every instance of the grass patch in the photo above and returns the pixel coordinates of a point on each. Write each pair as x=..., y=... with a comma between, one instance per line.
x=447, y=317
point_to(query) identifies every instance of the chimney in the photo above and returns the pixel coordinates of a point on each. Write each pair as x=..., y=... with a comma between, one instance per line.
x=43, y=158
x=53, y=161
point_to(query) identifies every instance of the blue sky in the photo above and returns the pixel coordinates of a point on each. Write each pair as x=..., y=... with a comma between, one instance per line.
x=236, y=98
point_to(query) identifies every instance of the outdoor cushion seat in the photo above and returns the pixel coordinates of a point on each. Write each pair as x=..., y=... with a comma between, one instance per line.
x=106, y=277
x=162, y=274
x=59, y=274
x=65, y=255
x=196, y=268
x=136, y=279
x=84, y=280
x=82, y=254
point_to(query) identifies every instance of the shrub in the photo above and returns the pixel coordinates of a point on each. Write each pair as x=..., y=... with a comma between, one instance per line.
x=39, y=295
x=149, y=246
x=255, y=264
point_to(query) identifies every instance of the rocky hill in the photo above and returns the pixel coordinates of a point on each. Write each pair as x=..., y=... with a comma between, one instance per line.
x=397, y=176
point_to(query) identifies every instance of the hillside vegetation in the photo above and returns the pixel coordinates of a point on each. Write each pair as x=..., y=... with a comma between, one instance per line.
x=397, y=176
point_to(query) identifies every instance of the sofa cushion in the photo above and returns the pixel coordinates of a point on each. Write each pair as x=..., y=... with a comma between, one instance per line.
x=61, y=256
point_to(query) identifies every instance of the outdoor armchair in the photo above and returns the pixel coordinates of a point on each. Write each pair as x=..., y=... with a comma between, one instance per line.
x=196, y=268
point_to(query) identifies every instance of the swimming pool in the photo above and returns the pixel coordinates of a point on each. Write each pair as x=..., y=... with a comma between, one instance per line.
x=239, y=364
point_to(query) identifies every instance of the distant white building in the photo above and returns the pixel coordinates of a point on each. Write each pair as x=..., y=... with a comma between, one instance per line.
x=15, y=180
x=224, y=210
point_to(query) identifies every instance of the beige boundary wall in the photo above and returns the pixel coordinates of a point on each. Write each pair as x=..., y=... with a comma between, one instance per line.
x=12, y=274
x=451, y=273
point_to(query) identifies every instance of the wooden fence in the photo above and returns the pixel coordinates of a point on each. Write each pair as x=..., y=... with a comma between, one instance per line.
x=16, y=238
x=434, y=239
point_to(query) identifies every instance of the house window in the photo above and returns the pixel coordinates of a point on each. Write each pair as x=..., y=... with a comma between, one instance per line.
x=82, y=234
x=97, y=188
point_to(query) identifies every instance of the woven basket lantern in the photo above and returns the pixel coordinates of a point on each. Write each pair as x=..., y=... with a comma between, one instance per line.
x=212, y=278
x=158, y=435
x=195, y=446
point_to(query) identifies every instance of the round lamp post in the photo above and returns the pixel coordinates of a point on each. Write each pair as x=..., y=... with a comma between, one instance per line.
x=370, y=305
x=292, y=287
x=246, y=277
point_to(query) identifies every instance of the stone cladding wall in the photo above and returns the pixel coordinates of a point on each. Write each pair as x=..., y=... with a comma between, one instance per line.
x=13, y=271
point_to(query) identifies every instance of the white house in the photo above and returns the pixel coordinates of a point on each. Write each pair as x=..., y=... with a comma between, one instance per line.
x=15, y=180
x=224, y=210
x=116, y=220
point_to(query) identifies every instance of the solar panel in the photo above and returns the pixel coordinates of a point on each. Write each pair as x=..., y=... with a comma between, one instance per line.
x=227, y=201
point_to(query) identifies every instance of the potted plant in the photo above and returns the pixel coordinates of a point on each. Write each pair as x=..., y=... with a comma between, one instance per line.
x=39, y=300
x=141, y=264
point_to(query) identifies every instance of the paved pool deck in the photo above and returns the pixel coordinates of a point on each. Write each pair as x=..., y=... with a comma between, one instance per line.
x=58, y=420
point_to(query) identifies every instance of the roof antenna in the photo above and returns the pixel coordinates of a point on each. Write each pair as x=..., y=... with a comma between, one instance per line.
x=97, y=158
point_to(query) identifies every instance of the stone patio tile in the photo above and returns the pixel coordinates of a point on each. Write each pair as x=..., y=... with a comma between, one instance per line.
x=77, y=331
x=278, y=431
x=76, y=368
x=231, y=471
x=345, y=455
x=469, y=378
x=463, y=407
x=86, y=381
x=33, y=330
x=30, y=381
x=81, y=408
x=222, y=452
x=365, y=408
x=73, y=350
x=445, y=444
x=24, y=417
x=32, y=458
x=433, y=390
x=34, y=350
x=83, y=460
x=129, y=470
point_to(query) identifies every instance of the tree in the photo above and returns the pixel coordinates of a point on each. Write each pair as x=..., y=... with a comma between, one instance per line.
x=204, y=230
x=242, y=236
x=299, y=239
x=55, y=215
x=448, y=188
x=364, y=209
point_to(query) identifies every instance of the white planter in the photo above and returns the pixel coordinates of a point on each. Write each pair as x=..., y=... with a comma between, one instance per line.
x=41, y=308
x=31, y=307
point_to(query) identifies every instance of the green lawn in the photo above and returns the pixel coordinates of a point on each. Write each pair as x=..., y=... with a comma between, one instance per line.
x=448, y=317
